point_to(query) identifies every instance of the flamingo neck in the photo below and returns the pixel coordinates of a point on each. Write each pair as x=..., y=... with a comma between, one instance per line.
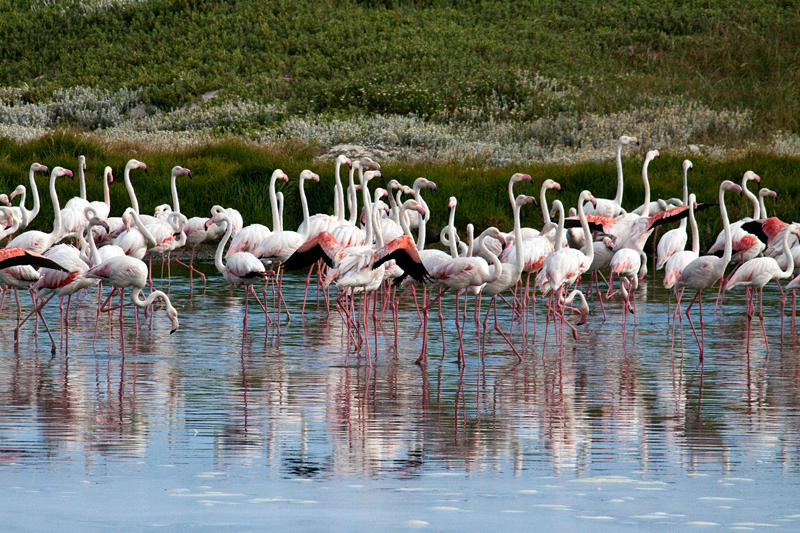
x=378, y=229
x=56, y=208
x=752, y=197
x=176, y=206
x=404, y=222
x=789, y=270
x=470, y=240
x=763, y=206
x=646, y=210
x=147, y=302
x=726, y=256
x=304, y=204
x=587, y=235
x=82, y=181
x=148, y=237
x=452, y=227
x=493, y=275
x=422, y=229
x=618, y=197
x=106, y=192
x=518, y=240
x=352, y=197
x=279, y=220
x=543, y=201
x=338, y=193
x=367, y=207
x=273, y=201
x=695, y=233
x=92, y=246
x=221, y=246
x=24, y=213
x=131, y=192
x=36, y=200
x=559, y=240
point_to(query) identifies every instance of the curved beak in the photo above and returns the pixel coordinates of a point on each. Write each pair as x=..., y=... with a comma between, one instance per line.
x=189, y=173
x=349, y=162
x=421, y=210
x=557, y=186
x=209, y=223
x=104, y=225
x=175, y=326
x=68, y=172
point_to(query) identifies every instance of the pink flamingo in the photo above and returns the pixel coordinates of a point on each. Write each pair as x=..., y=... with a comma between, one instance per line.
x=251, y=236
x=674, y=240
x=612, y=208
x=38, y=241
x=705, y=271
x=125, y=271
x=756, y=273
x=242, y=268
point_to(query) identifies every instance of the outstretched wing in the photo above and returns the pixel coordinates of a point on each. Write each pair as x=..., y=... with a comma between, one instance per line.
x=405, y=255
x=322, y=246
x=10, y=257
x=673, y=215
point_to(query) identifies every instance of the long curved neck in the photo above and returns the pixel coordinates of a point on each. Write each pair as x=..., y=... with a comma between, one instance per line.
x=618, y=197
x=753, y=200
x=511, y=193
x=422, y=229
x=587, y=235
x=273, y=201
x=726, y=256
x=221, y=246
x=559, y=240
x=176, y=206
x=470, y=240
x=352, y=197
x=543, y=201
x=148, y=237
x=304, y=204
x=452, y=226
x=24, y=213
x=279, y=220
x=518, y=238
x=404, y=222
x=106, y=193
x=147, y=302
x=394, y=205
x=35, y=193
x=695, y=233
x=131, y=192
x=787, y=272
x=367, y=207
x=95, y=255
x=378, y=230
x=338, y=193
x=646, y=210
x=82, y=181
x=56, y=208
x=494, y=275
x=763, y=207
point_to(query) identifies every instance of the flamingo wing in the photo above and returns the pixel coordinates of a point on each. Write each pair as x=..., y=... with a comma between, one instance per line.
x=405, y=254
x=10, y=257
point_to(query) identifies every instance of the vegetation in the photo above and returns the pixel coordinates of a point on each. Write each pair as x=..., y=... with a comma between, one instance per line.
x=236, y=174
x=441, y=60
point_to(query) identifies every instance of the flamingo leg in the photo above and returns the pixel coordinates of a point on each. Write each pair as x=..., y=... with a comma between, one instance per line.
x=689, y=316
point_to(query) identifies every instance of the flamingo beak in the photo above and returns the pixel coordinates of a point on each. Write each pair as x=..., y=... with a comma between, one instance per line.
x=110, y=177
x=349, y=162
x=432, y=185
x=773, y=194
x=557, y=186
x=104, y=225
x=189, y=173
x=68, y=172
x=502, y=240
x=583, y=320
x=143, y=166
x=421, y=210
x=208, y=223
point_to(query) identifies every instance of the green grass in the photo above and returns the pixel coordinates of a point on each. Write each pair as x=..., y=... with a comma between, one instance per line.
x=236, y=174
x=423, y=57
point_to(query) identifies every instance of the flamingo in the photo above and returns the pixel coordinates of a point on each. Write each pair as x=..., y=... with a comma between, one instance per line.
x=38, y=241
x=705, y=271
x=123, y=272
x=72, y=218
x=674, y=240
x=280, y=245
x=678, y=261
x=26, y=215
x=613, y=208
x=103, y=209
x=493, y=245
x=630, y=266
x=631, y=230
x=13, y=219
x=135, y=241
x=564, y=266
x=250, y=237
x=241, y=268
x=510, y=273
x=757, y=272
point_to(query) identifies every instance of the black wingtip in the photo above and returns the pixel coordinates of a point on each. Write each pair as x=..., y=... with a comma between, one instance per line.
x=31, y=260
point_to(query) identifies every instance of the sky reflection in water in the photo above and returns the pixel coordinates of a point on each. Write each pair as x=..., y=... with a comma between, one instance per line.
x=195, y=430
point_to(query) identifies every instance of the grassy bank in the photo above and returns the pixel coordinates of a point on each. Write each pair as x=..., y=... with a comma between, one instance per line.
x=261, y=64
x=236, y=174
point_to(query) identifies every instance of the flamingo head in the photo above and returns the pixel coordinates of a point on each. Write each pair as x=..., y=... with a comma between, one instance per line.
x=728, y=185
x=36, y=167
x=414, y=205
x=393, y=184
x=626, y=140
x=523, y=199
x=407, y=190
x=497, y=234
x=59, y=171
x=109, y=174
x=555, y=208
x=81, y=162
x=370, y=174
x=178, y=170
x=750, y=175
x=4, y=199
x=762, y=192
x=609, y=242
x=308, y=175
x=133, y=163
x=367, y=163
x=452, y=202
x=587, y=196
x=652, y=154
x=687, y=165
x=550, y=184
x=20, y=189
x=172, y=313
x=344, y=160
x=794, y=229
x=520, y=177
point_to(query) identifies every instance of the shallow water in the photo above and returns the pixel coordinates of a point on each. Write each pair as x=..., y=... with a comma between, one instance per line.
x=197, y=430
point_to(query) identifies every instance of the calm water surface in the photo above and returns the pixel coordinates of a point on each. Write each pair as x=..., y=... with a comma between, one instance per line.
x=198, y=431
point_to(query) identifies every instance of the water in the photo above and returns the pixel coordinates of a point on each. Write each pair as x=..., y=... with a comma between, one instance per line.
x=196, y=431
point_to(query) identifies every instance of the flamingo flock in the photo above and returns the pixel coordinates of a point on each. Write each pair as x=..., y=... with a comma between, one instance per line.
x=375, y=253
